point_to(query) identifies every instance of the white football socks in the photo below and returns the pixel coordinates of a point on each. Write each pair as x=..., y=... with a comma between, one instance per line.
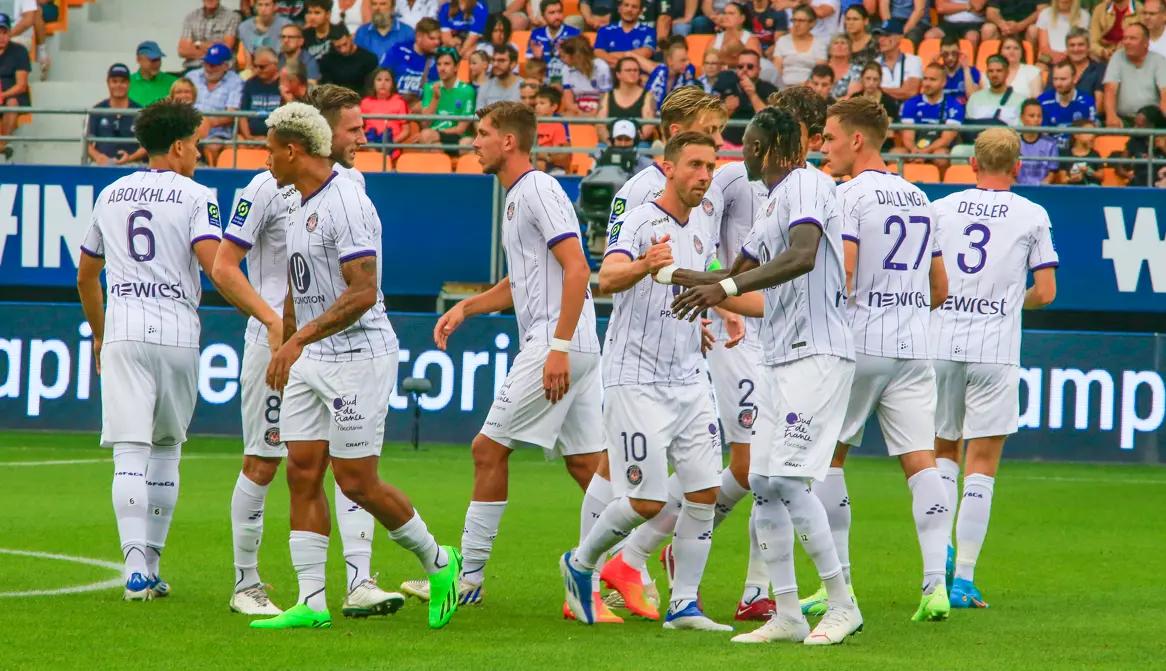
x=813, y=529
x=757, y=573
x=775, y=536
x=356, y=531
x=950, y=472
x=836, y=500
x=309, y=554
x=933, y=515
x=481, y=527
x=595, y=501
x=617, y=520
x=972, y=525
x=690, y=547
x=247, y=529
x=414, y=536
x=162, y=483
x=131, y=503
x=728, y=495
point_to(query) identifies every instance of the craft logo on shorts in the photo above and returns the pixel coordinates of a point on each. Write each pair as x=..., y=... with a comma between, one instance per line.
x=798, y=428
x=697, y=244
x=313, y=219
x=635, y=475
x=345, y=413
x=510, y=211
x=746, y=417
x=271, y=436
x=707, y=206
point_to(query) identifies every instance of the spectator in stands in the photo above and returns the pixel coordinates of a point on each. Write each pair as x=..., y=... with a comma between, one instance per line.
x=628, y=37
x=1134, y=78
x=1154, y=16
x=515, y=12
x=586, y=79
x=934, y=108
x=414, y=64
x=291, y=49
x=998, y=103
x=674, y=72
x=872, y=87
x=732, y=23
x=293, y=82
x=821, y=82
x=864, y=48
x=1035, y=148
x=528, y=91
x=14, y=70
x=828, y=18
x=545, y=40
x=743, y=92
x=797, y=53
x=535, y=72
x=1054, y=24
x=844, y=72
x=1143, y=174
x=1012, y=18
x=409, y=12
x=346, y=64
x=1088, y=74
x=503, y=85
x=768, y=24
x=381, y=97
x=628, y=100
x=291, y=9
x=204, y=27
x=463, y=22
x=1025, y=79
x=498, y=33
x=261, y=30
x=671, y=18
x=1082, y=173
x=317, y=28
x=480, y=69
x=593, y=14
x=448, y=96
x=962, y=19
x=1064, y=105
x=1107, y=26
x=116, y=125
x=912, y=15
x=219, y=88
x=260, y=93
x=963, y=78
x=902, y=73
x=383, y=31
x=149, y=84
x=710, y=67
x=551, y=134
x=183, y=91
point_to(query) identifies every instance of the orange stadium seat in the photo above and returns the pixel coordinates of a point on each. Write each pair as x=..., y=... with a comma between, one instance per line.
x=581, y=164
x=372, y=161
x=1107, y=145
x=893, y=167
x=921, y=172
x=520, y=38
x=697, y=45
x=990, y=47
x=242, y=158
x=959, y=174
x=463, y=70
x=62, y=22
x=906, y=46
x=570, y=7
x=468, y=164
x=74, y=3
x=1109, y=177
x=429, y=162
x=583, y=135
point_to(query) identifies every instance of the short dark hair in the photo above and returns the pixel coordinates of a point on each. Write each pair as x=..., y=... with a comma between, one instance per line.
x=750, y=52
x=1030, y=102
x=688, y=138
x=512, y=117
x=325, y=5
x=510, y=51
x=1139, y=25
x=1065, y=64
x=860, y=10
x=997, y=58
x=822, y=70
x=949, y=40
x=165, y=122
x=554, y=95
x=546, y=4
x=427, y=25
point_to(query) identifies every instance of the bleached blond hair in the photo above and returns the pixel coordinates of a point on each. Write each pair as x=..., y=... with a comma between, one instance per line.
x=303, y=124
x=998, y=150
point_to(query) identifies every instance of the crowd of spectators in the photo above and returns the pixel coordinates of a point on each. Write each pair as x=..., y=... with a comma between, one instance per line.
x=935, y=65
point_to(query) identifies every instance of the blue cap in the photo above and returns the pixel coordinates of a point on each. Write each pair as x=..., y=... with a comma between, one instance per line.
x=217, y=54
x=150, y=49
x=118, y=70
x=889, y=27
x=5, y=21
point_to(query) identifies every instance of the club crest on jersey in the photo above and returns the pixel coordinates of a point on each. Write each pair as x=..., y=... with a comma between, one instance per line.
x=707, y=206
x=510, y=211
x=697, y=244
x=313, y=221
x=271, y=437
x=241, y=212
x=212, y=215
x=635, y=475
x=746, y=417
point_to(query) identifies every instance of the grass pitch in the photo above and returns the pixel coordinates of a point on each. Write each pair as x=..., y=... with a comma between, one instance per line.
x=1072, y=568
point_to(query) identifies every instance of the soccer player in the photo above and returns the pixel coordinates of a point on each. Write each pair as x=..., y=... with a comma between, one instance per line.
x=552, y=396
x=794, y=252
x=151, y=230
x=895, y=277
x=994, y=239
x=657, y=407
x=256, y=231
x=336, y=369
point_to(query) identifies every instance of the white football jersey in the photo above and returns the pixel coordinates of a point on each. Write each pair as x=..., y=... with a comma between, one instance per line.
x=145, y=225
x=332, y=226
x=991, y=240
x=804, y=316
x=352, y=174
x=647, y=185
x=892, y=221
x=645, y=343
x=259, y=224
x=743, y=200
x=536, y=217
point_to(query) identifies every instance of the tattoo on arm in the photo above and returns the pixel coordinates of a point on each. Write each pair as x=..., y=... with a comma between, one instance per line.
x=357, y=299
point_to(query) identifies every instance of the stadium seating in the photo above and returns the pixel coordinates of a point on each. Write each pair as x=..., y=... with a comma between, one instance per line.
x=425, y=162
x=990, y=47
x=959, y=174
x=520, y=38
x=373, y=161
x=583, y=135
x=243, y=158
x=697, y=45
x=1107, y=145
x=906, y=46
x=468, y=164
x=921, y=172
x=581, y=164
x=929, y=50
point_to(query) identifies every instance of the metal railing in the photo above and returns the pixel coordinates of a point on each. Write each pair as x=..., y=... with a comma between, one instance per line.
x=386, y=149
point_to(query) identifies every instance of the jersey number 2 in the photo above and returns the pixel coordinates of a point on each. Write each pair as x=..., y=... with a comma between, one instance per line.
x=133, y=232
x=889, y=263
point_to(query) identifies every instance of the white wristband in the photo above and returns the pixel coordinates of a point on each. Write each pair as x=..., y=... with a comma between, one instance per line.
x=560, y=345
x=664, y=275
x=729, y=286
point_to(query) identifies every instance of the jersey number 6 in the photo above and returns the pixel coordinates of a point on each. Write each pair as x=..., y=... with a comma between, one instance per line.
x=133, y=232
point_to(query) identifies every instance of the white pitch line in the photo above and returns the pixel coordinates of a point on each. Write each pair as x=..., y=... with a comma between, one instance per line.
x=1115, y=480
x=72, y=589
x=69, y=462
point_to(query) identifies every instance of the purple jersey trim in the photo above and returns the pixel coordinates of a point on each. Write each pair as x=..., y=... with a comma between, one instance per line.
x=1050, y=264
x=321, y=188
x=937, y=253
x=807, y=220
x=515, y=183
x=559, y=238
x=746, y=254
x=92, y=253
x=852, y=238
x=208, y=236
x=356, y=255
x=238, y=241
x=619, y=251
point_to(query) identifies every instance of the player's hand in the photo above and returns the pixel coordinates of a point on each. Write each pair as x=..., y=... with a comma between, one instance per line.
x=447, y=324
x=734, y=328
x=659, y=254
x=556, y=376
x=274, y=335
x=281, y=363
x=707, y=338
x=97, y=354
x=692, y=302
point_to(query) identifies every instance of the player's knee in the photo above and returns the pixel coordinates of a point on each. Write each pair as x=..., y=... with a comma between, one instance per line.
x=171, y=452
x=839, y=458
x=706, y=496
x=260, y=470
x=645, y=508
x=488, y=454
x=582, y=467
x=947, y=449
